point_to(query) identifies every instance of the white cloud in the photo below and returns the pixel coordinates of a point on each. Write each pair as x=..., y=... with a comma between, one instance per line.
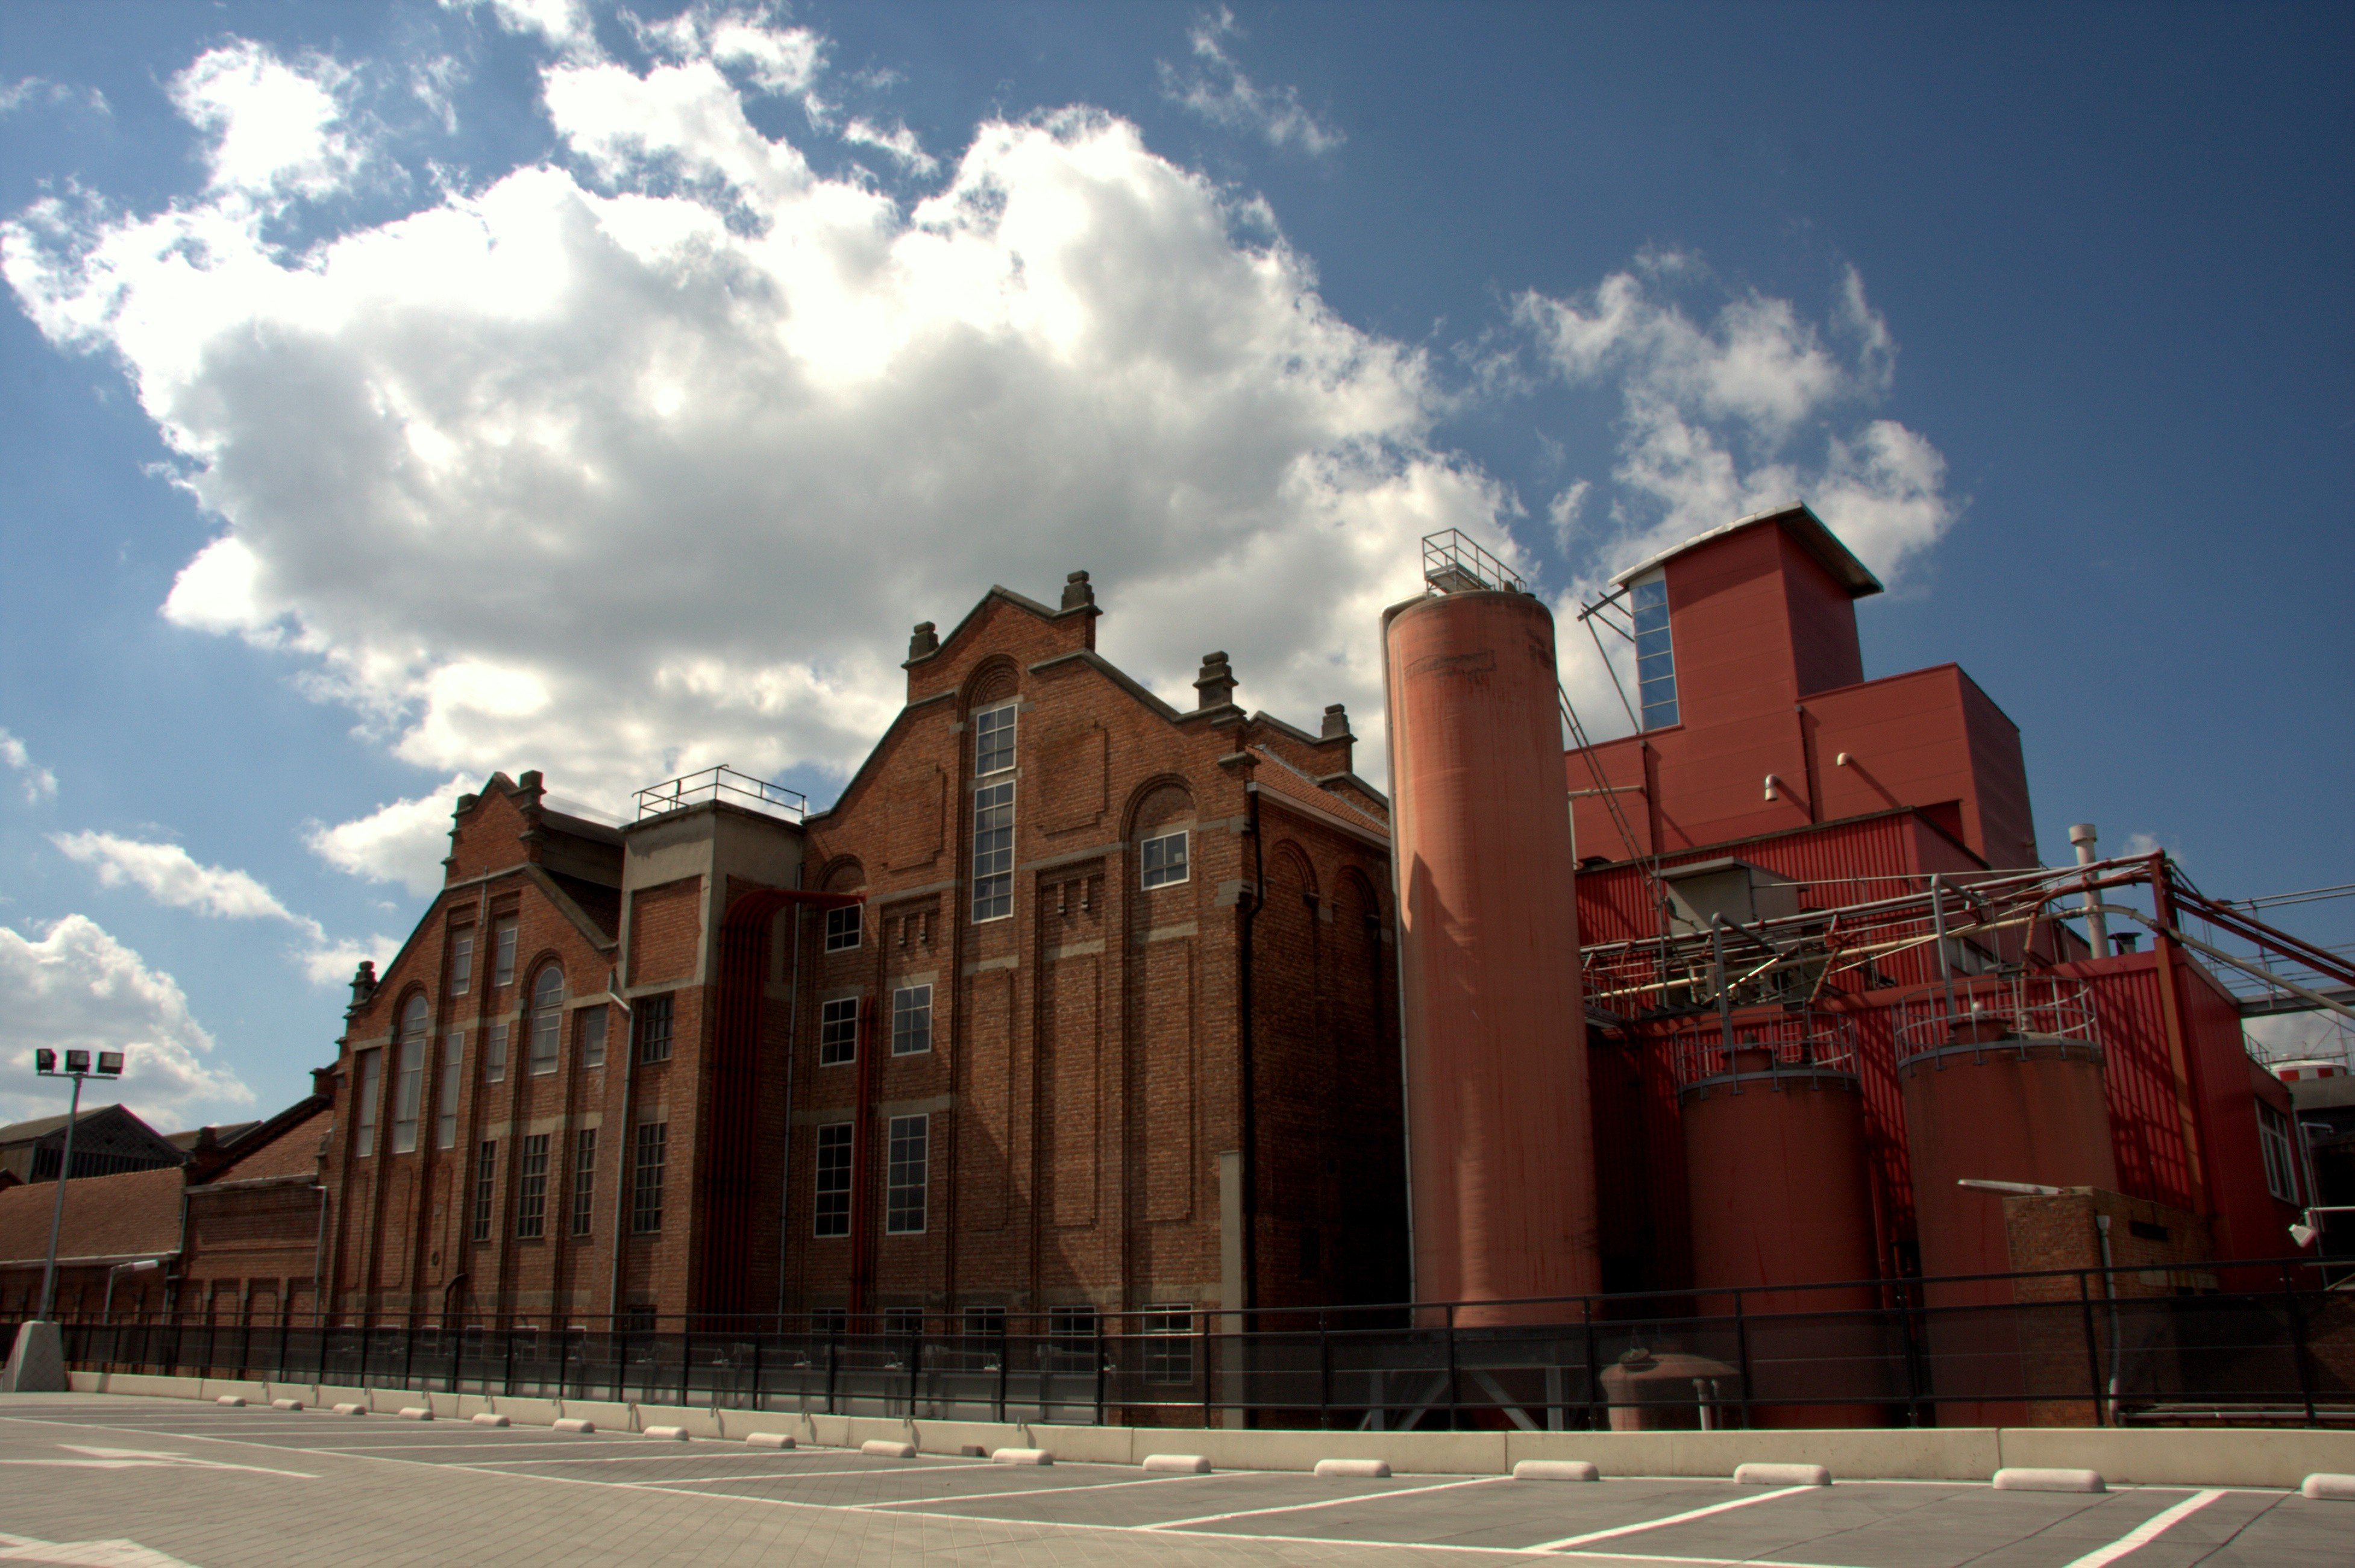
x=39, y=92
x=620, y=477
x=37, y=783
x=276, y=127
x=895, y=138
x=564, y=25
x=2138, y=844
x=403, y=842
x=1564, y=512
x=1216, y=90
x=2294, y=1037
x=78, y=988
x=172, y=878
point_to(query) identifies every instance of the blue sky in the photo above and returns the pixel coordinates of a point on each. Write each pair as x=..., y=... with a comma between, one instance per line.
x=397, y=392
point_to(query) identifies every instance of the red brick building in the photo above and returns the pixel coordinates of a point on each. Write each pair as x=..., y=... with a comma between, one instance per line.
x=1073, y=1000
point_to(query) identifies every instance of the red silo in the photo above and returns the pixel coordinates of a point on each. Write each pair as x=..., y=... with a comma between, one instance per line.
x=2008, y=1089
x=1781, y=1195
x=1500, y=1149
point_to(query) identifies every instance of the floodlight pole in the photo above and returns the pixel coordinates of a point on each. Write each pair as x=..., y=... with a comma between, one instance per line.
x=58, y=1209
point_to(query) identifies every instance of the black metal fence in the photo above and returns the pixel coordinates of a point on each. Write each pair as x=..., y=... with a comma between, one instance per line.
x=2269, y=1343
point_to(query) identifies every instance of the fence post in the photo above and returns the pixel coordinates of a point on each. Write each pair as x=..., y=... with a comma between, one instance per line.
x=1742, y=1356
x=284, y=1321
x=1451, y=1366
x=833, y=1344
x=2092, y=1346
x=1005, y=1355
x=760, y=1391
x=2298, y=1346
x=1913, y=1355
x=1100, y=1371
x=1597, y=1417
x=1323, y=1375
x=1207, y=1319
x=686, y=1364
x=563, y=1359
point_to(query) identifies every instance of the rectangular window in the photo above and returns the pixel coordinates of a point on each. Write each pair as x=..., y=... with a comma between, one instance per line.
x=993, y=740
x=1168, y=1344
x=2281, y=1158
x=462, y=960
x=486, y=1187
x=837, y=1031
x=453, y=1067
x=843, y=927
x=584, y=1179
x=495, y=1055
x=911, y=1020
x=503, y=962
x=1072, y=1339
x=834, y=1179
x=647, y=1192
x=592, y=1037
x=531, y=1195
x=903, y=1209
x=903, y=1322
x=1656, y=653
x=653, y=1029
x=832, y=1322
x=408, y=1094
x=547, y=1041
x=993, y=851
x=1164, y=859
x=367, y=1066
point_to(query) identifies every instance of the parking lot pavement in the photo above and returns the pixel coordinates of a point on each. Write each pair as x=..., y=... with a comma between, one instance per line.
x=121, y=1482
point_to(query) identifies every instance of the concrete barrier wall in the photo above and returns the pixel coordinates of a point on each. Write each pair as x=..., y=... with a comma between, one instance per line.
x=2232, y=1457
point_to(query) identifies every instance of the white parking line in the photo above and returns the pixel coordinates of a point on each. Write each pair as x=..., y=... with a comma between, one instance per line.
x=1052, y=1489
x=1570, y=1540
x=1328, y=1502
x=767, y=1476
x=2148, y=1531
x=754, y=1458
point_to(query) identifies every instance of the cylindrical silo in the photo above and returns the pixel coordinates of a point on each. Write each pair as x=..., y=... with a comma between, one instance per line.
x=1986, y=1103
x=1499, y=1149
x=1781, y=1195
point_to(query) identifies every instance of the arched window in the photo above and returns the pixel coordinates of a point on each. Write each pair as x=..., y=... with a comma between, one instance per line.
x=546, y=1019
x=409, y=1081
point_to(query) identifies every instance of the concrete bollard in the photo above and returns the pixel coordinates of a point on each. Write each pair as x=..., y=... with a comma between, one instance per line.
x=1782, y=1475
x=1176, y=1465
x=2034, y=1480
x=1354, y=1469
x=1556, y=1470
x=415, y=1413
x=484, y=1418
x=285, y=1405
x=1021, y=1456
x=574, y=1423
x=237, y=1400
x=670, y=1433
x=768, y=1440
x=351, y=1410
x=2329, y=1488
x=884, y=1448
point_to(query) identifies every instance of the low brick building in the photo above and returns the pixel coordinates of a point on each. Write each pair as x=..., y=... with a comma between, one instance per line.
x=1072, y=1002
x=131, y=1216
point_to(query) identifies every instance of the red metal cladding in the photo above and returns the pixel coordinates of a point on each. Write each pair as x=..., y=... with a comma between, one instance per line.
x=1502, y=1179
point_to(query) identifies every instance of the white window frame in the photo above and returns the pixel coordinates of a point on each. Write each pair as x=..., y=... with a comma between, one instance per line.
x=911, y=1017
x=993, y=867
x=846, y=928
x=1151, y=875
x=546, y=1050
x=832, y=1151
x=495, y=1055
x=908, y=1166
x=2276, y=1142
x=462, y=960
x=837, y=1014
x=503, y=953
x=594, y=1024
x=453, y=1068
x=987, y=723
x=367, y=1071
x=1664, y=665
x=1169, y=1332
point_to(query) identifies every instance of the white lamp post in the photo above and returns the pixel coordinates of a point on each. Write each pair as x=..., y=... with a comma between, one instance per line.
x=37, y=1361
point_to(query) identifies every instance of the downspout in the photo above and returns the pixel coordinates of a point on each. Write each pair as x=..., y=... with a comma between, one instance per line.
x=1243, y=1002
x=319, y=1255
x=792, y=1047
x=2110, y=1289
x=621, y=1143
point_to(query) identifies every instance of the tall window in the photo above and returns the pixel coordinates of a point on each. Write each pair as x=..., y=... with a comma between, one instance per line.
x=547, y=1020
x=584, y=1179
x=653, y=1015
x=368, y=1067
x=495, y=1054
x=409, y=1076
x=646, y=1189
x=502, y=953
x=1072, y=1337
x=837, y=1031
x=2281, y=1160
x=462, y=960
x=1164, y=859
x=531, y=1194
x=487, y=1186
x=993, y=740
x=445, y=1099
x=843, y=928
x=904, y=1207
x=993, y=851
x=1656, y=656
x=911, y=1020
x=1168, y=1344
x=592, y=1037
x=834, y=1180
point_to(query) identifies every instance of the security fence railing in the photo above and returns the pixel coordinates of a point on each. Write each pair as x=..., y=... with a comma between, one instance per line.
x=2232, y=1344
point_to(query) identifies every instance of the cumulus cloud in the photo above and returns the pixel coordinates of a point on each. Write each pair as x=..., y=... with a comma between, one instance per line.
x=645, y=458
x=76, y=986
x=175, y=878
x=562, y=24
x=1214, y=87
x=403, y=842
x=274, y=127
x=37, y=783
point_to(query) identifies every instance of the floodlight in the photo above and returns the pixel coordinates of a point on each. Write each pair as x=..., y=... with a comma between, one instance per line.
x=2302, y=1234
x=45, y=1060
x=110, y=1064
x=77, y=1060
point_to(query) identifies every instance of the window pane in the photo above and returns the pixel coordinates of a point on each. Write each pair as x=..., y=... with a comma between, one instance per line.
x=646, y=1195
x=462, y=962
x=911, y=1020
x=592, y=1038
x=993, y=740
x=407, y=1092
x=495, y=1054
x=911, y=1146
x=1164, y=859
x=993, y=851
x=531, y=1195
x=454, y=1063
x=547, y=1020
x=834, y=1179
x=654, y=1016
x=370, y=1067
x=486, y=1165
x=837, y=1031
x=843, y=928
x=503, y=973
x=584, y=1179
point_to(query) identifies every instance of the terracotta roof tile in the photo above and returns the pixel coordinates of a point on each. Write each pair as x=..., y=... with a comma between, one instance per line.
x=127, y=1215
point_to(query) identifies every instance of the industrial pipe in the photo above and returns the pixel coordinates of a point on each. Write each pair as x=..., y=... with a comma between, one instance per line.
x=2097, y=928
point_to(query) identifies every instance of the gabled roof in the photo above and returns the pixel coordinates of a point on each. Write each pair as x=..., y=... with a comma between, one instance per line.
x=133, y=1214
x=42, y=1126
x=1280, y=777
x=1803, y=526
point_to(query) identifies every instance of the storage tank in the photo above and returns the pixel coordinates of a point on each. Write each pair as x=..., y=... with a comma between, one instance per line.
x=1998, y=1093
x=1781, y=1195
x=1499, y=1149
